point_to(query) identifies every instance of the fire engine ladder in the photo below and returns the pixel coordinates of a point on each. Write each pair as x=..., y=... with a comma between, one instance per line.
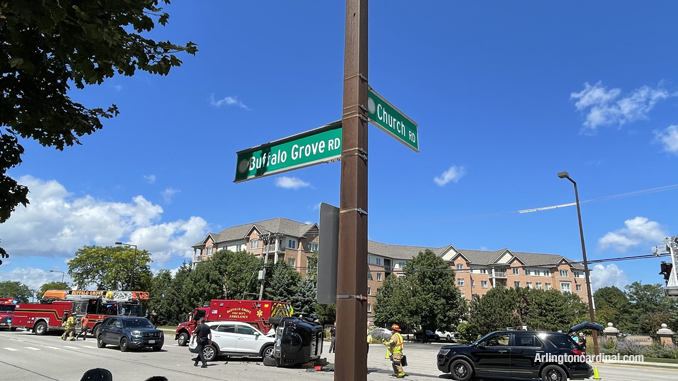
x=671, y=245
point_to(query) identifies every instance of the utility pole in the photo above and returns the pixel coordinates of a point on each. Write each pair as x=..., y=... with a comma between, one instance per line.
x=351, y=359
x=266, y=238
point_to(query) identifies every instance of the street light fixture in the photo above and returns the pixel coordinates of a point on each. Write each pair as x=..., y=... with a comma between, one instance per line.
x=565, y=175
x=62, y=274
x=134, y=261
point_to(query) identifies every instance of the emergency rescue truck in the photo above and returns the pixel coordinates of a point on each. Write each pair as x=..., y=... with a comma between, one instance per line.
x=57, y=305
x=254, y=312
x=7, y=306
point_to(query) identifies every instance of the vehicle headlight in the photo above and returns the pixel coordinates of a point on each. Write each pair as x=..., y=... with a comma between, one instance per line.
x=136, y=333
x=443, y=352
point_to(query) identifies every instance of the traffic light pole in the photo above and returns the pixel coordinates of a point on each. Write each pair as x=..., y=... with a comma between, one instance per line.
x=351, y=359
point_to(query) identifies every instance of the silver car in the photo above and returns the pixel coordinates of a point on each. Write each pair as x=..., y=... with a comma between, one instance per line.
x=234, y=338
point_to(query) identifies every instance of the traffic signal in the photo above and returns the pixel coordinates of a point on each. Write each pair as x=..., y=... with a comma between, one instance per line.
x=666, y=270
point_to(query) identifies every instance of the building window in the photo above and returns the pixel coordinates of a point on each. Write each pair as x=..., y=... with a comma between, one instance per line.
x=483, y=271
x=198, y=252
x=460, y=282
x=538, y=285
x=537, y=272
x=254, y=244
x=369, y=307
x=378, y=277
x=527, y=271
x=369, y=259
x=238, y=247
x=578, y=287
x=460, y=267
x=290, y=261
x=565, y=287
x=473, y=283
x=483, y=284
x=576, y=274
x=516, y=271
x=516, y=284
x=563, y=273
x=529, y=284
x=548, y=286
x=312, y=246
x=209, y=250
x=401, y=264
x=378, y=261
x=369, y=290
x=291, y=244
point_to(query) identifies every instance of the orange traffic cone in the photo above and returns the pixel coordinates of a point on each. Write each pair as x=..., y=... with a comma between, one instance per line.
x=596, y=376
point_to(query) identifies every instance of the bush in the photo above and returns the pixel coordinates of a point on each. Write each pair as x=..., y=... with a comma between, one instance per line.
x=631, y=348
x=465, y=333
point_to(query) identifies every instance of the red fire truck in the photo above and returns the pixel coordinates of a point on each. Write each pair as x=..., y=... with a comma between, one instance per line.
x=57, y=305
x=7, y=306
x=254, y=312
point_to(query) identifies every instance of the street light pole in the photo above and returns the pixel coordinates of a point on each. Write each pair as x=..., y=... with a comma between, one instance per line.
x=62, y=274
x=565, y=175
x=134, y=261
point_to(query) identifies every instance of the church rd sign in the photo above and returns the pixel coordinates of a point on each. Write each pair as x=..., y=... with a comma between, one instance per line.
x=385, y=116
x=320, y=145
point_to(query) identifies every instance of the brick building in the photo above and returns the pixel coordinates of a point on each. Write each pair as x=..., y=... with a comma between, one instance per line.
x=476, y=271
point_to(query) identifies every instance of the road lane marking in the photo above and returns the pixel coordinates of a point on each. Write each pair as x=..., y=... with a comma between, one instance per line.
x=11, y=349
x=46, y=346
x=66, y=346
x=33, y=349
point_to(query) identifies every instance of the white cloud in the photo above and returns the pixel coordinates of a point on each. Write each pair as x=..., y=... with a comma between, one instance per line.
x=605, y=276
x=668, y=138
x=290, y=183
x=117, y=87
x=55, y=224
x=150, y=179
x=605, y=107
x=639, y=230
x=34, y=278
x=228, y=101
x=453, y=174
x=168, y=193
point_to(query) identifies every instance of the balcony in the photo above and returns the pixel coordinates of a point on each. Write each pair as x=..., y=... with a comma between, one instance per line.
x=500, y=274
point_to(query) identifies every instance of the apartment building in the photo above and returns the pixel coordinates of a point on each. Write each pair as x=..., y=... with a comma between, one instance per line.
x=293, y=242
x=479, y=271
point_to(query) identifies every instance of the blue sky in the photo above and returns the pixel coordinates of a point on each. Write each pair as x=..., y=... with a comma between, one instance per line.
x=506, y=95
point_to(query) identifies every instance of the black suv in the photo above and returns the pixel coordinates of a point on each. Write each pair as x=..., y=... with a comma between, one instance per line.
x=551, y=356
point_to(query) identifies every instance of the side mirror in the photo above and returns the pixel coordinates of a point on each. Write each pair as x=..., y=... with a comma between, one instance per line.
x=481, y=346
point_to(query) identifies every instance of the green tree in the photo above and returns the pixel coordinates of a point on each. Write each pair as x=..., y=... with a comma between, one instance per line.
x=493, y=311
x=49, y=45
x=159, y=299
x=111, y=268
x=239, y=273
x=646, y=301
x=552, y=310
x=435, y=296
x=394, y=304
x=15, y=290
x=312, y=267
x=327, y=313
x=281, y=283
x=203, y=284
x=612, y=306
x=180, y=306
x=52, y=286
x=304, y=299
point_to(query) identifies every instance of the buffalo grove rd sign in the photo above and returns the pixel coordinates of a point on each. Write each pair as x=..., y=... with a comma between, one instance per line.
x=320, y=145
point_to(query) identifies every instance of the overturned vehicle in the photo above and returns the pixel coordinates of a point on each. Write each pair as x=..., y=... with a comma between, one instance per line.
x=297, y=341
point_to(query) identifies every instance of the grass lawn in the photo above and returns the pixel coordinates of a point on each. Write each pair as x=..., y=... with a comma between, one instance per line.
x=662, y=360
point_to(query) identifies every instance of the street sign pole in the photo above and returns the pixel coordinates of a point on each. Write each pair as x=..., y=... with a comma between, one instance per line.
x=351, y=358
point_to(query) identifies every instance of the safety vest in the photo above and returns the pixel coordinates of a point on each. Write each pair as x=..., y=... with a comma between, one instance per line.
x=397, y=342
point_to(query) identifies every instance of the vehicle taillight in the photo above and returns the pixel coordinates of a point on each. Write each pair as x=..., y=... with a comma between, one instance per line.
x=577, y=352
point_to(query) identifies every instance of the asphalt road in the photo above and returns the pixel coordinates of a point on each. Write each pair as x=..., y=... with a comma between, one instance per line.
x=26, y=357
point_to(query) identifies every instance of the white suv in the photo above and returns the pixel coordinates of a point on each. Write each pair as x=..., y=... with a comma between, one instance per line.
x=234, y=338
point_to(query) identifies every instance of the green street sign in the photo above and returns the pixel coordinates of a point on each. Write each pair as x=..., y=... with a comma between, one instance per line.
x=387, y=117
x=320, y=145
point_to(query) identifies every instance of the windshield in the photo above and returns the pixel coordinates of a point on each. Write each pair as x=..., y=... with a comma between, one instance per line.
x=129, y=310
x=7, y=309
x=481, y=339
x=138, y=323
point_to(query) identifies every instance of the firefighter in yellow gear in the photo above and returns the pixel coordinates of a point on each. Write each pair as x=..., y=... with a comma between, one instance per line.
x=395, y=346
x=70, y=328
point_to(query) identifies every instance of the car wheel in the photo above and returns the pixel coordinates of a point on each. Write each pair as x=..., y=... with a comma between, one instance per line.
x=100, y=341
x=157, y=349
x=553, y=373
x=124, y=345
x=461, y=370
x=267, y=351
x=40, y=328
x=95, y=331
x=13, y=329
x=209, y=352
x=182, y=339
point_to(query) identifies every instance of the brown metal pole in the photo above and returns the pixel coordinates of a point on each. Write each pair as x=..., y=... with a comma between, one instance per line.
x=351, y=358
x=586, y=272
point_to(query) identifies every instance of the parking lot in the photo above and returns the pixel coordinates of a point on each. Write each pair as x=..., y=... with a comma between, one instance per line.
x=26, y=357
